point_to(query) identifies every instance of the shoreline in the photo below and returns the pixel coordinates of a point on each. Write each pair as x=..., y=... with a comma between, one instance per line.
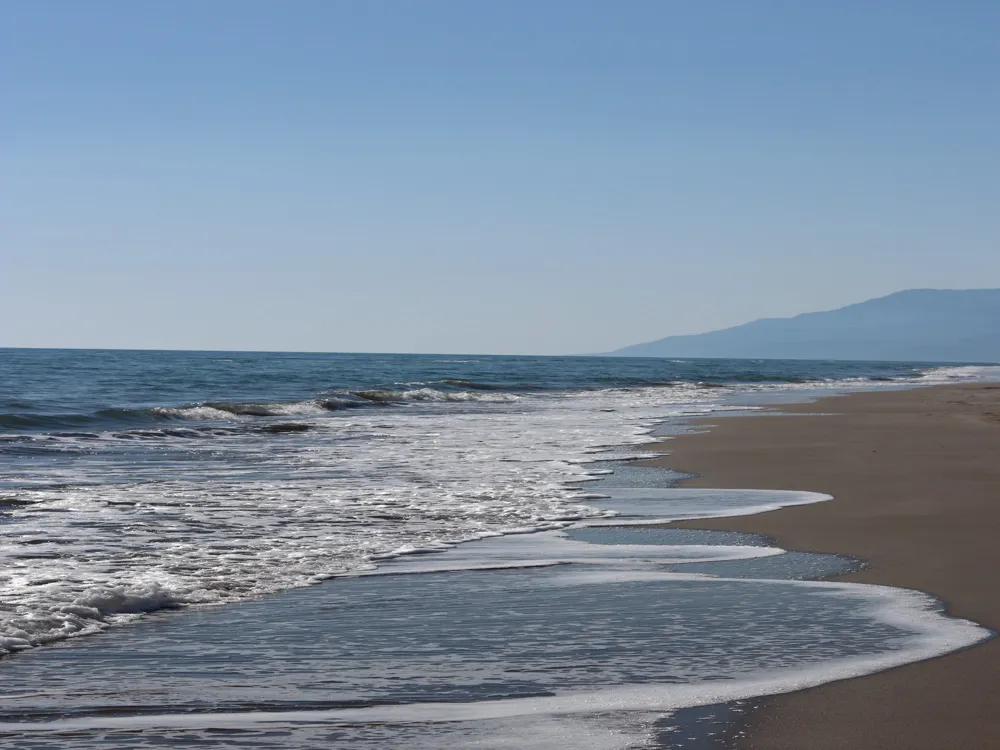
x=915, y=476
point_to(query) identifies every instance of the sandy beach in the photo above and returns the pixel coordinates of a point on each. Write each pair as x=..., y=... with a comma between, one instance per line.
x=916, y=479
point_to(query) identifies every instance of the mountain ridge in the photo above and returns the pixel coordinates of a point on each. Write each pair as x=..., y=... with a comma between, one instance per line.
x=931, y=325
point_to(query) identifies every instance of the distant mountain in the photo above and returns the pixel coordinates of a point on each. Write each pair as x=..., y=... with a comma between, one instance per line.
x=929, y=325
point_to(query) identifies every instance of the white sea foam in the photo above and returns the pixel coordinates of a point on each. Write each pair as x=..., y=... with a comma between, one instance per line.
x=645, y=505
x=968, y=373
x=237, y=516
x=555, y=548
x=200, y=412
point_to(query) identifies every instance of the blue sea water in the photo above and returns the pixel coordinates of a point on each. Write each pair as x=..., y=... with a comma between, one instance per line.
x=66, y=389
x=234, y=485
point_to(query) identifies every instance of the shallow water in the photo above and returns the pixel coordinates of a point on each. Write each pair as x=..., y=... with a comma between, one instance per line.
x=473, y=647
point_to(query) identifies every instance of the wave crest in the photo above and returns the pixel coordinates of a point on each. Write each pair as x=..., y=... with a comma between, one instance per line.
x=432, y=394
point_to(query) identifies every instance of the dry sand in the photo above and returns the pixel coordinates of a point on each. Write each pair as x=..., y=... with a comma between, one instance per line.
x=915, y=477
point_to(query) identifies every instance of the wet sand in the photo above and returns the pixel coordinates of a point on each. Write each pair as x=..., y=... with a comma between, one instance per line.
x=916, y=480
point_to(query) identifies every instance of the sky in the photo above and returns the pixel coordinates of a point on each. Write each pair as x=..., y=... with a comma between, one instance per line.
x=525, y=176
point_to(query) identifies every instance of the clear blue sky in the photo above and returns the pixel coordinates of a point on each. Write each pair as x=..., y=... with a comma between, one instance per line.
x=472, y=176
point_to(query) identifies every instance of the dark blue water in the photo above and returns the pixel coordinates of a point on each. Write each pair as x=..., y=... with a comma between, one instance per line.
x=43, y=389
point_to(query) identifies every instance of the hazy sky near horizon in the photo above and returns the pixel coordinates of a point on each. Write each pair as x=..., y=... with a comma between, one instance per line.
x=544, y=176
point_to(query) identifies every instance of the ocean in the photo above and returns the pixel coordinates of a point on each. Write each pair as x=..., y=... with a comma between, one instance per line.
x=380, y=550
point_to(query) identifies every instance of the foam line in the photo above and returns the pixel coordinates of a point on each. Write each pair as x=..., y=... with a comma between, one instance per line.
x=644, y=506
x=931, y=635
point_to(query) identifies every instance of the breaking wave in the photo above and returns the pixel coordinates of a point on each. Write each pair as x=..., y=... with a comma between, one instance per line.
x=215, y=411
x=431, y=394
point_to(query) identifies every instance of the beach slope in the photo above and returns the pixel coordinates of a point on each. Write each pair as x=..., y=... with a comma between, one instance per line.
x=916, y=479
